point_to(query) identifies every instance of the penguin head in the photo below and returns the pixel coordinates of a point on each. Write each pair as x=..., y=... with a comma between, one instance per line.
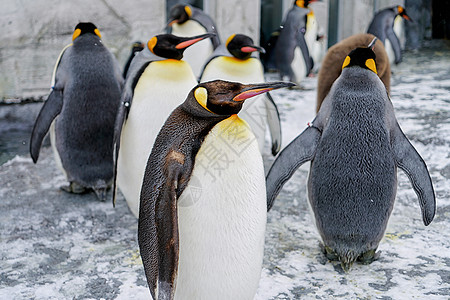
x=83, y=28
x=303, y=3
x=361, y=57
x=402, y=12
x=241, y=46
x=172, y=46
x=223, y=98
x=179, y=14
x=137, y=46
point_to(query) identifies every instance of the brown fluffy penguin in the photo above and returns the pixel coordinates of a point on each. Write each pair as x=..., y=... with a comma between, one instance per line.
x=332, y=63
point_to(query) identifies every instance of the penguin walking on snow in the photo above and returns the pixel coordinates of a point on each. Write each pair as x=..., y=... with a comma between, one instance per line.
x=186, y=20
x=355, y=146
x=157, y=82
x=382, y=26
x=333, y=60
x=233, y=61
x=291, y=52
x=203, y=211
x=81, y=111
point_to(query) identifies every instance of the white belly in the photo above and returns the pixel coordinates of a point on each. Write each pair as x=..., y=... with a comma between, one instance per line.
x=254, y=111
x=161, y=88
x=390, y=52
x=55, y=150
x=298, y=65
x=222, y=218
x=197, y=54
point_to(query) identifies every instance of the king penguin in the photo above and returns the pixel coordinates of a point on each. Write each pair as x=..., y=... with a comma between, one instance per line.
x=186, y=20
x=355, y=146
x=314, y=41
x=203, y=209
x=382, y=26
x=233, y=61
x=291, y=52
x=332, y=63
x=157, y=82
x=81, y=111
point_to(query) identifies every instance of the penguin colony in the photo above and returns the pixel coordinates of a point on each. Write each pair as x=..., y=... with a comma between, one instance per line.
x=161, y=136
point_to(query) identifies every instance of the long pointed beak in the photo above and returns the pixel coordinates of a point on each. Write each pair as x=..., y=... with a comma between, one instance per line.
x=406, y=17
x=252, y=90
x=171, y=22
x=192, y=40
x=252, y=48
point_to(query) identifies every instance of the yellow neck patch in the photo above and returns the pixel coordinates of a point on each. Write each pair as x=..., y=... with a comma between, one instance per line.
x=229, y=39
x=97, y=32
x=201, y=95
x=76, y=33
x=370, y=63
x=152, y=43
x=188, y=10
x=346, y=62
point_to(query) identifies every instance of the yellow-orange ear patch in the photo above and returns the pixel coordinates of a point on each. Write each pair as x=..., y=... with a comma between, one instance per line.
x=151, y=43
x=188, y=10
x=229, y=39
x=76, y=33
x=370, y=63
x=300, y=3
x=201, y=95
x=346, y=62
x=97, y=32
x=400, y=9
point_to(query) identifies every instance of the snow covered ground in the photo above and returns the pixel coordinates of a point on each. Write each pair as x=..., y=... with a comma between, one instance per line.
x=54, y=245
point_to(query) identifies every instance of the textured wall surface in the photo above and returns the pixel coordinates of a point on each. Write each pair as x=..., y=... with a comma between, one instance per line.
x=34, y=32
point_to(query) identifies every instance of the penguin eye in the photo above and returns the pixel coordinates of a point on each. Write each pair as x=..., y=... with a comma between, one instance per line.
x=76, y=33
x=346, y=62
x=188, y=10
x=201, y=95
x=229, y=39
x=152, y=43
x=370, y=63
x=97, y=32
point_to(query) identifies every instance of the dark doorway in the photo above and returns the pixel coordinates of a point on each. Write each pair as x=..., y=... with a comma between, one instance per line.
x=440, y=19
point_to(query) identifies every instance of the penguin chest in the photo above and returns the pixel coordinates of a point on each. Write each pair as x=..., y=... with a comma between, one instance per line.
x=161, y=88
x=197, y=54
x=222, y=217
x=254, y=111
x=298, y=65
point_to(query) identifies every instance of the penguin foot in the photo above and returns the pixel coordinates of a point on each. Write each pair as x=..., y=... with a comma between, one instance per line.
x=74, y=188
x=329, y=253
x=100, y=193
x=369, y=257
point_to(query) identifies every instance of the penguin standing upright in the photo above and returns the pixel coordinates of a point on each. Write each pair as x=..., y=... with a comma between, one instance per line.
x=382, y=27
x=81, y=111
x=203, y=209
x=314, y=40
x=186, y=20
x=332, y=63
x=355, y=146
x=234, y=61
x=291, y=51
x=157, y=82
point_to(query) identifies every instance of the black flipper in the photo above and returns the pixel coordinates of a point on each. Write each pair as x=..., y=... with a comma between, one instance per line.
x=51, y=108
x=301, y=42
x=395, y=43
x=158, y=232
x=410, y=161
x=299, y=151
x=273, y=119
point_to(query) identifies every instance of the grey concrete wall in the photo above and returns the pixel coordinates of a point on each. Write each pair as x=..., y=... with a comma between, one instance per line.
x=34, y=32
x=235, y=16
